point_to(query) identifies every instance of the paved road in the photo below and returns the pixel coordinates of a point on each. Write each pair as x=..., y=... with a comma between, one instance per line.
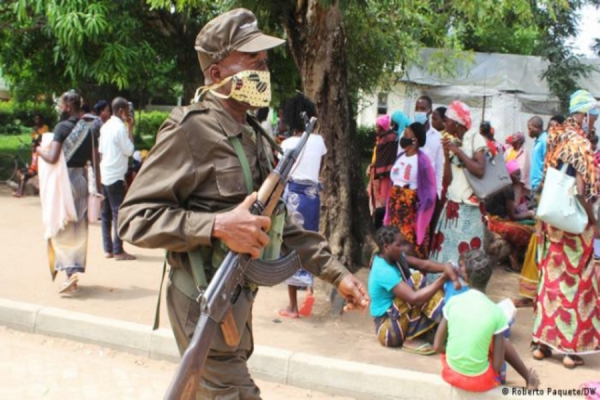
x=41, y=367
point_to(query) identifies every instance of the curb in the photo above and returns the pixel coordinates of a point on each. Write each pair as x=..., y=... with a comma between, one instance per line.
x=348, y=378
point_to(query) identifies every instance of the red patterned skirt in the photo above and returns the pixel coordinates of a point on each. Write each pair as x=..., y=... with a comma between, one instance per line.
x=567, y=314
x=402, y=206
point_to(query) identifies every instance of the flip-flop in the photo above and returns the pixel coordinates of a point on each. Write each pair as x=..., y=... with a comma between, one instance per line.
x=285, y=313
x=69, y=285
x=306, y=308
x=124, y=257
x=570, y=362
x=421, y=348
x=508, y=268
x=522, y=302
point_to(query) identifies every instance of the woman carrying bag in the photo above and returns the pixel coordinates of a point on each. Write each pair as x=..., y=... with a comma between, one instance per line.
x=567, y=312
x=460, y=227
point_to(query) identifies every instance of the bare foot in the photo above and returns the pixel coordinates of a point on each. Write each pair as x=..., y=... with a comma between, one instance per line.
x=288, y=313
x=533, y=381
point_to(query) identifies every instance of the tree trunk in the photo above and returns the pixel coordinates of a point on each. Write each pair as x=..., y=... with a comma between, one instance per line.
x=317, y=40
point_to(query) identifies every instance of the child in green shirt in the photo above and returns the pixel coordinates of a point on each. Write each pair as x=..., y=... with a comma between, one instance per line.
x=470, y=335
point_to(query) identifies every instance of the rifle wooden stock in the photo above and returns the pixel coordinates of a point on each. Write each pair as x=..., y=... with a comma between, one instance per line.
x=226, y=285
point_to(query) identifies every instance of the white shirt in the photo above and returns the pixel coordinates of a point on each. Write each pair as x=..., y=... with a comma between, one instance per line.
x=433, y=149
x=116, y=148
x=404, y=171
x=460, y=190
x=308, y=164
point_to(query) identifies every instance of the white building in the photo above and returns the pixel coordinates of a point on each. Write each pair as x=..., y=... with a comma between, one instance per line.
x=510, y=86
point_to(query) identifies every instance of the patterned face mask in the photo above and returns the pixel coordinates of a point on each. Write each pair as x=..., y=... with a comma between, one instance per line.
x=250, y=87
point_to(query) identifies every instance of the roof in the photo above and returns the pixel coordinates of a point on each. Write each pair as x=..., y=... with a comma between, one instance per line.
x=494, y=72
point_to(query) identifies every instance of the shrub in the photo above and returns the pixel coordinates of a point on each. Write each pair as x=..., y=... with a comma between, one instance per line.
x=16, y=118
x=365, y=140
x=147, y=125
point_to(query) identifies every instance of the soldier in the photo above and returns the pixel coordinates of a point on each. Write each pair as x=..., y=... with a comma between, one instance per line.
x=193, y=192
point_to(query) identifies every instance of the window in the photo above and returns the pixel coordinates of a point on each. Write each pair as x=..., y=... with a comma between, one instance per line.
x=382, y=103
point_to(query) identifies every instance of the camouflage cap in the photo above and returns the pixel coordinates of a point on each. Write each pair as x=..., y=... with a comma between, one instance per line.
x=236, y=30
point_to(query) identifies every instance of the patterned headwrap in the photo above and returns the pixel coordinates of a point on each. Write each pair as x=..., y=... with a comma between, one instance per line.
x=515, y=138
x=402, y=120
x=582, y=101
x=459, y=112
x=384, y=122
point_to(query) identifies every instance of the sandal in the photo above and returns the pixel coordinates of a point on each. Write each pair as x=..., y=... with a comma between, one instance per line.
x=124, y=257
x=522, y=302
x=69, y=285
x=540, y=352
x=572, y=361
x=108, y=255
x=307, y=306
x=418, y=347
x=284, y=312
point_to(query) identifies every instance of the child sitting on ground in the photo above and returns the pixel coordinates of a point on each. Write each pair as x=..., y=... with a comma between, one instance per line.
x=470, y=335
x=404, y=307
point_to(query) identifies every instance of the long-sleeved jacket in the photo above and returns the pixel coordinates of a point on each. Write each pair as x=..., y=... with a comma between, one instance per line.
x=191, y=174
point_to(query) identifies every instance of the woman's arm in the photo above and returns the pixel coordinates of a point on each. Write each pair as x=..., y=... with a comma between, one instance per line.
x=418, y=297
x=441, y=336
x=587, y=205
x=447, y=179
x=434, y=267
x=498, y=352
x=50, y=156
x=475, y=165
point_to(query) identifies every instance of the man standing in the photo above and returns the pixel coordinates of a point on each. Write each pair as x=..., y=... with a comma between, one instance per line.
x=535, y=127
x=116, y=146
x=433, y=143
x=192, y=193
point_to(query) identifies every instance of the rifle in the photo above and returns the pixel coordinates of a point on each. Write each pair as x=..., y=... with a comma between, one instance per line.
x=236, y=269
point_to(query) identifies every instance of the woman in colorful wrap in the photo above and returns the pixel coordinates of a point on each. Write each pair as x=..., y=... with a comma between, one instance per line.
x=567, y=313
x=460, y=227
x=302, y=193
x=384, y=155
x=404, y=307
x=506, y=212
x=412, y=198
x=518, y=152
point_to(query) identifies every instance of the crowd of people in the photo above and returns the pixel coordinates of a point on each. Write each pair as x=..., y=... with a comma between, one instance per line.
x=87, y=153
x=438, y=241
x=432, y=223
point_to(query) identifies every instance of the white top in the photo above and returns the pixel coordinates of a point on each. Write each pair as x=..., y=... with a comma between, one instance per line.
x=459, y=190
x=308, y=165
x=404, y=171
x=116, y=148
x=433, y=149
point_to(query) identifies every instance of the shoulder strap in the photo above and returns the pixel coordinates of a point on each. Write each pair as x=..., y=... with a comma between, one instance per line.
x=239, y=150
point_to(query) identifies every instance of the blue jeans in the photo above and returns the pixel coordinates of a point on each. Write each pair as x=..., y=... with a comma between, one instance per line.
x=113, y=198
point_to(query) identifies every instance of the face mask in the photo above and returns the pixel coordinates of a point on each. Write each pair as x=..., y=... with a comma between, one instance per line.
x=405, y=142
x=250, y=87
x=421, y=117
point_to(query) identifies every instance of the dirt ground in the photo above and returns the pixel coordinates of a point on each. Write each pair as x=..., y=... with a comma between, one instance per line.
x=127, y=290
x=37, y=366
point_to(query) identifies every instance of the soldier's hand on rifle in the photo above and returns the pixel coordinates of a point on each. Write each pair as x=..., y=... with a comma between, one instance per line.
x=242, y=231
x=354, y=292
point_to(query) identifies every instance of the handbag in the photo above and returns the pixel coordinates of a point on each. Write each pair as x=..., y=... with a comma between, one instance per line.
x=495, y=178
x=559, y=205
x=94, y=211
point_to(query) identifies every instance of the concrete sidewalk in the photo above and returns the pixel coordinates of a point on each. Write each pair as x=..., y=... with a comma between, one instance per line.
x=361, y=381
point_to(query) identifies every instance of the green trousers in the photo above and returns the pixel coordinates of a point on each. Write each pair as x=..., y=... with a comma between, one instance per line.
x=226, y=375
